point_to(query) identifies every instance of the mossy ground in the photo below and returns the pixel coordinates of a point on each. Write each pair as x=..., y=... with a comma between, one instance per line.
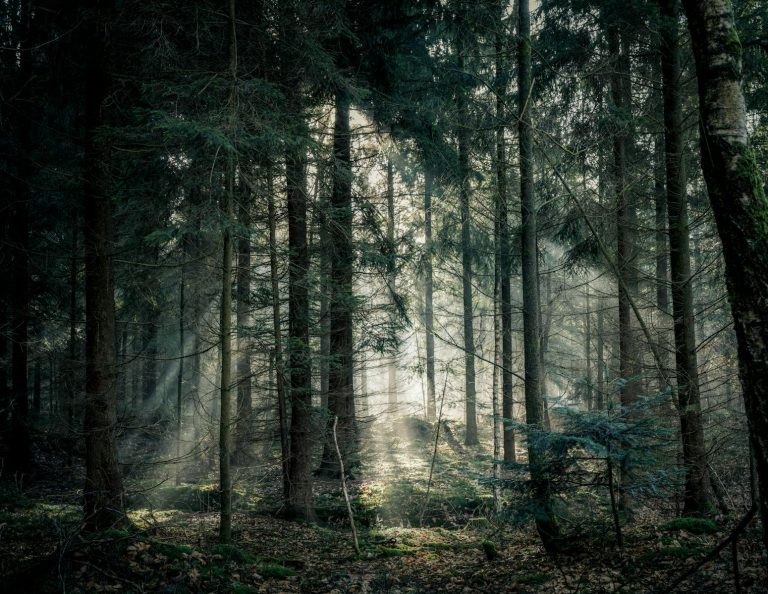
x=416, y=536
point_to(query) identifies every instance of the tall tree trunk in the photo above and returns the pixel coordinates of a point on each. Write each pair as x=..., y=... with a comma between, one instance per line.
x=504, y=244
x=545, y=521
x=600, y=380
x=277, y=331
x=36, y=388
x=71, y=374
x=697, y=490
x=545, y=323
x=20, y=458
x=462, y=136
x=325, y=329
x=225, y=320
x=244, y=429
x=340, y=383
x=620, y=99
x=662, y=256
x=589, y=392
x=180, y=374
x=740, y=207
x=299, y=363
x=5, y=326
x=428, y=297
x=103, y=493
x=392, y=286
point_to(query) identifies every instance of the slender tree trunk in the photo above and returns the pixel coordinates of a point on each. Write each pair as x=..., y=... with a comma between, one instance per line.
x=180, y=374
x=500, y=274
x=662, y=258
x=428, y=297
x=697, y=489
x=588, y=348
x=36, y=388
x=392, y=283
x=5, y=326
x=225, y=320
x=505, y=244
x=300, y=467
x=325, y=330
x=103, y=493
x=624, y=249
x=277, y=330
x=122, y=375
x=462, y=135
x=244, y=430
x=600, y=380
x=20, y=455
x=545, y=322
x=545, y=522
x=340, y=383
x=71, y=372
x=740, y=207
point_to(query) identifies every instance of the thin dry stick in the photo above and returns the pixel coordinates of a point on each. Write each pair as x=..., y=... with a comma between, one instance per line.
x=434, y=451
x=344, y=488
x=716, y=551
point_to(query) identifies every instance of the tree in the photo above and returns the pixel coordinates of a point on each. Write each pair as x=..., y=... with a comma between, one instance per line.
x=696, y=496
x=341, y=403
x=740, y=207
x=103, y=493
x=534, y=410
x=463, y=148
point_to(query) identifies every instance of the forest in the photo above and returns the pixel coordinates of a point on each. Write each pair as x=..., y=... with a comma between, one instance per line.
x=384, y=296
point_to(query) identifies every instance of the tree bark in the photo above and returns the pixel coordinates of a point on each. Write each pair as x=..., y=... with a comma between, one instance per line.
x=392, y=283
x=428, y=298
x=244, y=418
x=740, y=207
x=299, y=364
x=341, y=402
x=697, y=498
x=20, y=457
x=462, y=136
x=545, y=522
x=103, y=493
x=504, y=241
x=225, y=319
x=620, y=97
x=277, y=330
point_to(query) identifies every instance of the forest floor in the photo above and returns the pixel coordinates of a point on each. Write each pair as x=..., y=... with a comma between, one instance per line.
x=416, y=536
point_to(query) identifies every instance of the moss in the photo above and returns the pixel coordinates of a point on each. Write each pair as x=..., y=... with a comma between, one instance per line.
x=533, y=579
x=239, y=588
x=172, y=550
x=274, y=570
x=490, y=550
x=394, y=551
x=448, y=546
x=231, y=553
x=692, y=525
x=732, y=42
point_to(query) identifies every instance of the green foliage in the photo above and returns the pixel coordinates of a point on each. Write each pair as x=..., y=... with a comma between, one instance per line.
x=238, y=588
x=274, y=570
x=231, y=553
x=398, y=551
x=533, y=579
x=576, y=459
x=490, y=550
x=172, y=550
x=692, y=525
